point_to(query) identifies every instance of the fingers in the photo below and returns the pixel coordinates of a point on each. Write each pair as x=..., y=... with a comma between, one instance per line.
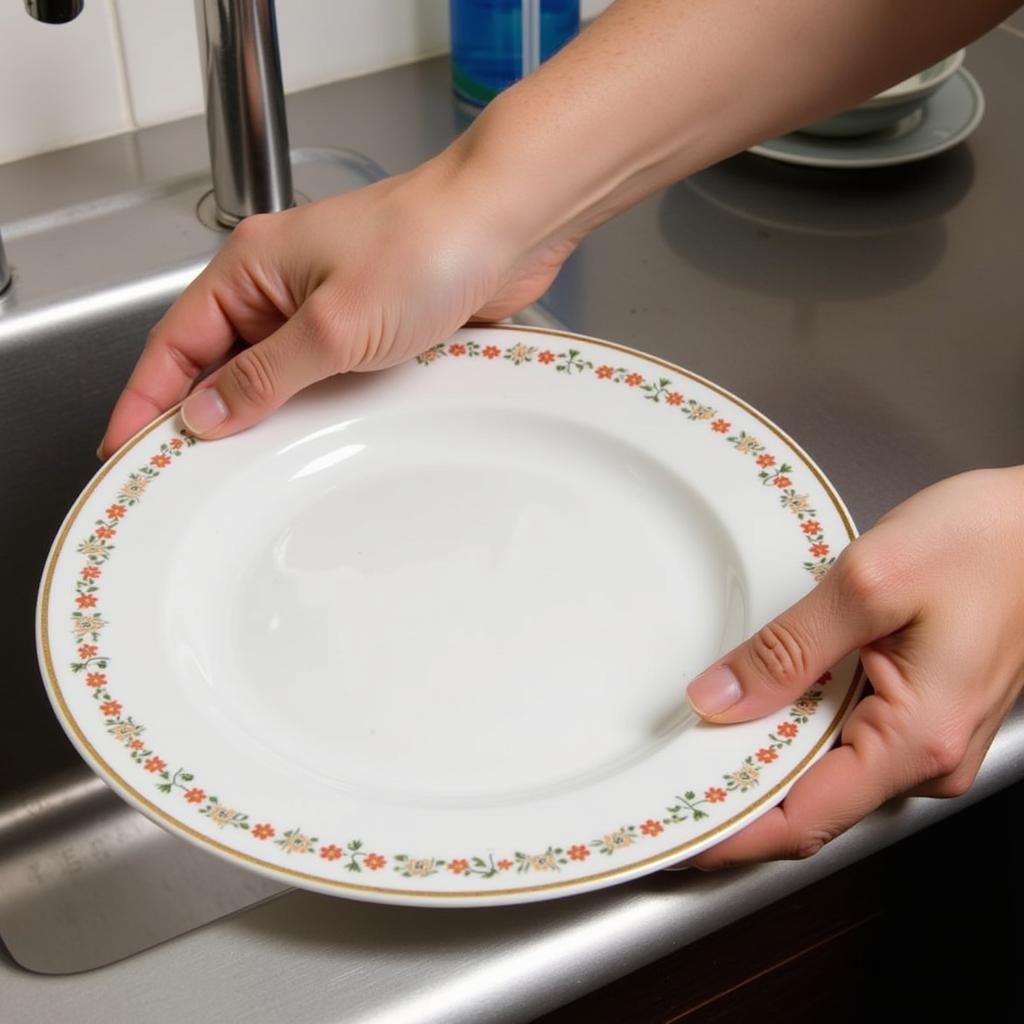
x=222, y=304
x=848, y=609
x=879, y=759
x=193, y=334
x=261, y=378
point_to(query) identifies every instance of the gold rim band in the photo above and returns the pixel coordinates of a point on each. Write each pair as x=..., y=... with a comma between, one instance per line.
x=411, y=895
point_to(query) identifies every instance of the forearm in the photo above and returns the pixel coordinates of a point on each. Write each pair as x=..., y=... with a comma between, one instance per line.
x=655, y=90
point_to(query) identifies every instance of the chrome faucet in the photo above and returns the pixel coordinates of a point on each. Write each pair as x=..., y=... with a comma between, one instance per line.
x=245, y=115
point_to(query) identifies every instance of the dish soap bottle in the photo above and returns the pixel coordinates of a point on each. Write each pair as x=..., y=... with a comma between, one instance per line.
x=497, y=42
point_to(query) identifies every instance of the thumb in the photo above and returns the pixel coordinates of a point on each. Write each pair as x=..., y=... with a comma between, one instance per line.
x=262, y=377
x=786, y=656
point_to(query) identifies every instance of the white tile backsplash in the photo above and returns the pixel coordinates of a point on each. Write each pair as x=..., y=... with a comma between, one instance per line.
x=131, y=63
x=324, y=40
x=320, y=40
x=60, y=84
x=161, y=58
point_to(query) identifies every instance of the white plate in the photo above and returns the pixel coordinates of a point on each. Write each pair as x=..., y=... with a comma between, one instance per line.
x=944, y=120
x=423, y=636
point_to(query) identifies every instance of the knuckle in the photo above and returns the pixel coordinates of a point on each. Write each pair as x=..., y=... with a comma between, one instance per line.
x=252, y=377
x=956, y=784
x=944, y=754
x=875, y=729
x=780, y=654
x=865, y=577
x=323, y=318
x=811, y=841
x=251, y=228
x=185, y=363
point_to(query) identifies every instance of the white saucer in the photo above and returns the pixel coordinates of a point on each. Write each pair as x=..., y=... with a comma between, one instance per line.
x=943, y=121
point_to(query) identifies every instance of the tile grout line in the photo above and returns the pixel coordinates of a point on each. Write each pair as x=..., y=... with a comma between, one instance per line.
x=126, y=90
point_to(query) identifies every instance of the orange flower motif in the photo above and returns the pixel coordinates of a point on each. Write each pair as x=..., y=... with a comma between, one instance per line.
x=546, y=357
x=457, y=867
x=652, y=828
x=329, y=852
x=766, y=755
x=720, y=426
x=674, y=398
x=86, y=600
x=87, y=650
x=96, y=679
x=714, y=795
x=110, y=708
x=91, y=572
x=819, y=549
x=823, y=679
x=782, y=481
x=195, y=795
x=764, y=461
x=160, y=460
x=504, y=864
x=578, y=852
x=154, y=764
x=105, y=532
x=633, y=379
x=457, y=349
x=492, y=351
x=262, y=831
x=116, y=511
x=604, y=372
x=136, y=744
x=374, y=861
x=787, y=729
x=811, y=526
x=176, y=443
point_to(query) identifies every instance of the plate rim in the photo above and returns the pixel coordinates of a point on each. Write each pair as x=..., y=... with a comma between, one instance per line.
x=764, y=149
x=405, y=896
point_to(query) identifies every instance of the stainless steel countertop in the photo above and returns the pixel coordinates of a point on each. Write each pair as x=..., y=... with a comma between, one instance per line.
x=875, y=315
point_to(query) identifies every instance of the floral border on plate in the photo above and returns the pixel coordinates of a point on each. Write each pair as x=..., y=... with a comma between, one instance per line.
x=353, y=854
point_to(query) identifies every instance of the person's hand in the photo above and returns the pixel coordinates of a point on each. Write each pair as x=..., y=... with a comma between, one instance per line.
x=368, y=279
x=933, y=596
x=361, y=281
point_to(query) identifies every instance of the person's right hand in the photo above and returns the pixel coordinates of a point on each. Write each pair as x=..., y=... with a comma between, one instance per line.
x=360, y=281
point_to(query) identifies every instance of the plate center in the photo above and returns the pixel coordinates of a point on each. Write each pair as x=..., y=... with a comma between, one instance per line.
x=469, y=607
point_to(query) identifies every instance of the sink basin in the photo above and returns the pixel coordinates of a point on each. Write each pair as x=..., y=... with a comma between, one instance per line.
x=84, y=879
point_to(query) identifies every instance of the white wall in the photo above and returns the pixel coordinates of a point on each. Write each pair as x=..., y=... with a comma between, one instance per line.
x=129, y=63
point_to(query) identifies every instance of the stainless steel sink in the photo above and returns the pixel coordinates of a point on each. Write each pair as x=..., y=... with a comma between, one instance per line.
x=84, y=879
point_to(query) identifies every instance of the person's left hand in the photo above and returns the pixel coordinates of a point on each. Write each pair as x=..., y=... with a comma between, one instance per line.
x=933, y=596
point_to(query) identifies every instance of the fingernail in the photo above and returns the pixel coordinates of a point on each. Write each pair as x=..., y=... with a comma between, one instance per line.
x=204, y=411
x=714, y=691
x=685, y=866
x=99, y=452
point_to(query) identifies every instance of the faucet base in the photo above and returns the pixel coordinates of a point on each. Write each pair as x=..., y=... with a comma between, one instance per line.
x=218, y=220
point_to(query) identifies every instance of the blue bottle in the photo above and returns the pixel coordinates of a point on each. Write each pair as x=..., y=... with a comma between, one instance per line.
x=497, y=42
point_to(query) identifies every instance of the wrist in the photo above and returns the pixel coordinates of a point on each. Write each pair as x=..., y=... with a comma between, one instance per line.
x=525, y=178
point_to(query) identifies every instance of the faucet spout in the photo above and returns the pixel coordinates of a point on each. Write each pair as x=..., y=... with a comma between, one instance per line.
x=245, y=113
